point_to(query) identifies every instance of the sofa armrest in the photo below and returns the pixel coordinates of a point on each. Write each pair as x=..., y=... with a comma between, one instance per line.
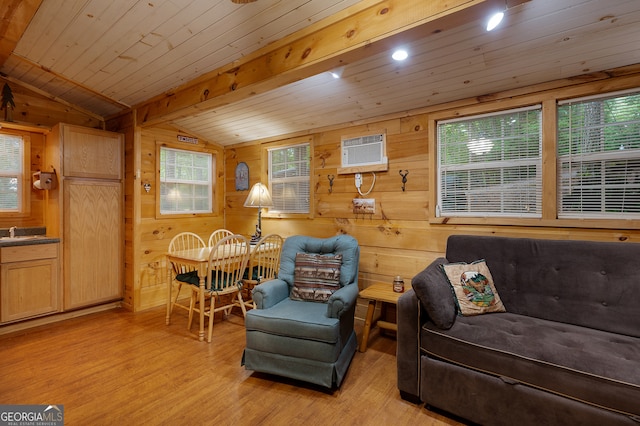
x=408, y=346
x=269, y=293
x=342, y=300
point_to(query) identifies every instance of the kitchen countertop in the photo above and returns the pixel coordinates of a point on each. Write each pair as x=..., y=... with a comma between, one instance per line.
x=22, y=241
x=26, y=237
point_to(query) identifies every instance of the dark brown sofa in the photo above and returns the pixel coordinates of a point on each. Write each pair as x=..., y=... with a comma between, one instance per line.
x=567, y=351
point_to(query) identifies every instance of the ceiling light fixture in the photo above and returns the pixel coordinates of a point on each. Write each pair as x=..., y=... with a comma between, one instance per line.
x=495, y=20
x=242, y=1
x=400, y=55
x=337, y=73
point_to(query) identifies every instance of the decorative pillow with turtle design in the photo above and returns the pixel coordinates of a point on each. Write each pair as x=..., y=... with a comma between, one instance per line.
x=473, y=288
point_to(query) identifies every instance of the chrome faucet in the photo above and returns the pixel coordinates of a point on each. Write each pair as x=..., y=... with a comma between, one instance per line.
x=12, y=231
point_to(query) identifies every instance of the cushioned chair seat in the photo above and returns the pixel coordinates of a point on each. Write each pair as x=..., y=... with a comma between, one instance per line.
x=193, y=279
x=296, y=319
x=520, y=348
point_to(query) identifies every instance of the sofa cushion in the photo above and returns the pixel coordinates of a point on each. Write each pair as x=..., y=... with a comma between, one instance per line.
x=434, y=292
x=473, y=288
x=316, y=277
x=582, y=363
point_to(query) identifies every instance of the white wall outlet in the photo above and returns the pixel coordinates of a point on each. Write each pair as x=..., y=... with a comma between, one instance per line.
x=364, y=205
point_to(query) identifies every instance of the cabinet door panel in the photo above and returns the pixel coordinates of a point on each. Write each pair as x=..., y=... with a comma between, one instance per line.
x=29, y=289
x=92, y=242
x=92, y=153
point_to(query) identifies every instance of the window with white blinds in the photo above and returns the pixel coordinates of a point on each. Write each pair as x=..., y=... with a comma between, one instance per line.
x=186, y=181
x=599, y=156
x=289, y=178
x=490, y=165
x=11, y=172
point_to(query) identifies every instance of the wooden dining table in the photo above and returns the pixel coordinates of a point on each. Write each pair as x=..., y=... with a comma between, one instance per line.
x=199, y=259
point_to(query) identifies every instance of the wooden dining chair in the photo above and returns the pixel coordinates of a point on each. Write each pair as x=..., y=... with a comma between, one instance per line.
x=217, y=235
x=227, y=263
x=264, y=263
x=182, y=273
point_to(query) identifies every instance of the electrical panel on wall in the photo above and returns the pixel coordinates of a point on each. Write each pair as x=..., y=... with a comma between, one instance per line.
x=363, y=153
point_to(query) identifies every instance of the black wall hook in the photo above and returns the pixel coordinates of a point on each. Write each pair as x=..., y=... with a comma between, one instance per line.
x=330, y=177
x=404, y=178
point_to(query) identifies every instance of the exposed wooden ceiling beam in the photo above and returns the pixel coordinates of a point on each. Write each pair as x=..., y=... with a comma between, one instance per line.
x=370, y=30
x=15, y=16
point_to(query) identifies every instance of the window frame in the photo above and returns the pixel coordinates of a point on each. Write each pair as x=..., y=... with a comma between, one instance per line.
x=215, y=190
x=25, y=181
x=265, y=177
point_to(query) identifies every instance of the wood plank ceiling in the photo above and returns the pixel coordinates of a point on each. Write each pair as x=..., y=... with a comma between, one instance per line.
x=106, y=57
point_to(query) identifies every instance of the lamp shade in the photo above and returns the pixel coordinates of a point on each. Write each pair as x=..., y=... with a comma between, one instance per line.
x=259, y=197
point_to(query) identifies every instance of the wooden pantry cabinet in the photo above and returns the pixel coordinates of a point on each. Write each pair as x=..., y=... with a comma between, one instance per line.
x=86, y=211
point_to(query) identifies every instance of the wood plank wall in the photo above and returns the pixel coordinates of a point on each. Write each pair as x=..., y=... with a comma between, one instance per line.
x=148, y=235
x=35, y=110
x=399, y=239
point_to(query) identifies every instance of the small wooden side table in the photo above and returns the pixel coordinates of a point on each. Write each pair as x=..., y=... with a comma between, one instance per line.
x=378, y=292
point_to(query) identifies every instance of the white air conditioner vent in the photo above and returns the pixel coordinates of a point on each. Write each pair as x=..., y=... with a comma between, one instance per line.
x=364, y=153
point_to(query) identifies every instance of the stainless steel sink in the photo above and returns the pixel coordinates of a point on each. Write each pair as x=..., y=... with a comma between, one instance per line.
x=20, y=238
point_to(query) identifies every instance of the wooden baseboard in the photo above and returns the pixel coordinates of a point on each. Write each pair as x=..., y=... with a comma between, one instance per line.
x=35, y=322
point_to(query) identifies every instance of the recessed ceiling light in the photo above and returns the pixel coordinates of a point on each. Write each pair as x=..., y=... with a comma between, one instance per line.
x=400, y=55
x=337, y=73
x=495, y=20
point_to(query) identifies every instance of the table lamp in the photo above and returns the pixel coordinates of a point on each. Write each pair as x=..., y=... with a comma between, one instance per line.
x=259, y=197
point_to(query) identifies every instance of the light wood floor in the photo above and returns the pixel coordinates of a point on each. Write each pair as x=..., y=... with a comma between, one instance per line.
x=116, y=367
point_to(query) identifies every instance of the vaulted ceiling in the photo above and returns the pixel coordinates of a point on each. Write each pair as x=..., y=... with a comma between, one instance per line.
x=232, y=73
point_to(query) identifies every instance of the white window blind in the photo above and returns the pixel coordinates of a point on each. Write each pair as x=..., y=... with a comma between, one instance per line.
x=289, y=179
x=186, y=181
x=490, y=165
x=11, y=173
x=599, y=156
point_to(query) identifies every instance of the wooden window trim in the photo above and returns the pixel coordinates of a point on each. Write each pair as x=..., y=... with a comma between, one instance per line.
x=264, y=175
x=216, y=186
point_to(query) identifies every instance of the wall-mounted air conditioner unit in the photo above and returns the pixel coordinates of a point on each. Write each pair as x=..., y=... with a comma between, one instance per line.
x=364, y=153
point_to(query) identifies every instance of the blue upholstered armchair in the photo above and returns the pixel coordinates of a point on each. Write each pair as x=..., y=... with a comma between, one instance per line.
x=313, y=341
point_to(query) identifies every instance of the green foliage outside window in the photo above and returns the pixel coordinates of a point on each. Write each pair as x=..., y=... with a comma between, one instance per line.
x=289, y=177
x=11, y=161
x=599, y=153
x=490, y=165
x=185, y=181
